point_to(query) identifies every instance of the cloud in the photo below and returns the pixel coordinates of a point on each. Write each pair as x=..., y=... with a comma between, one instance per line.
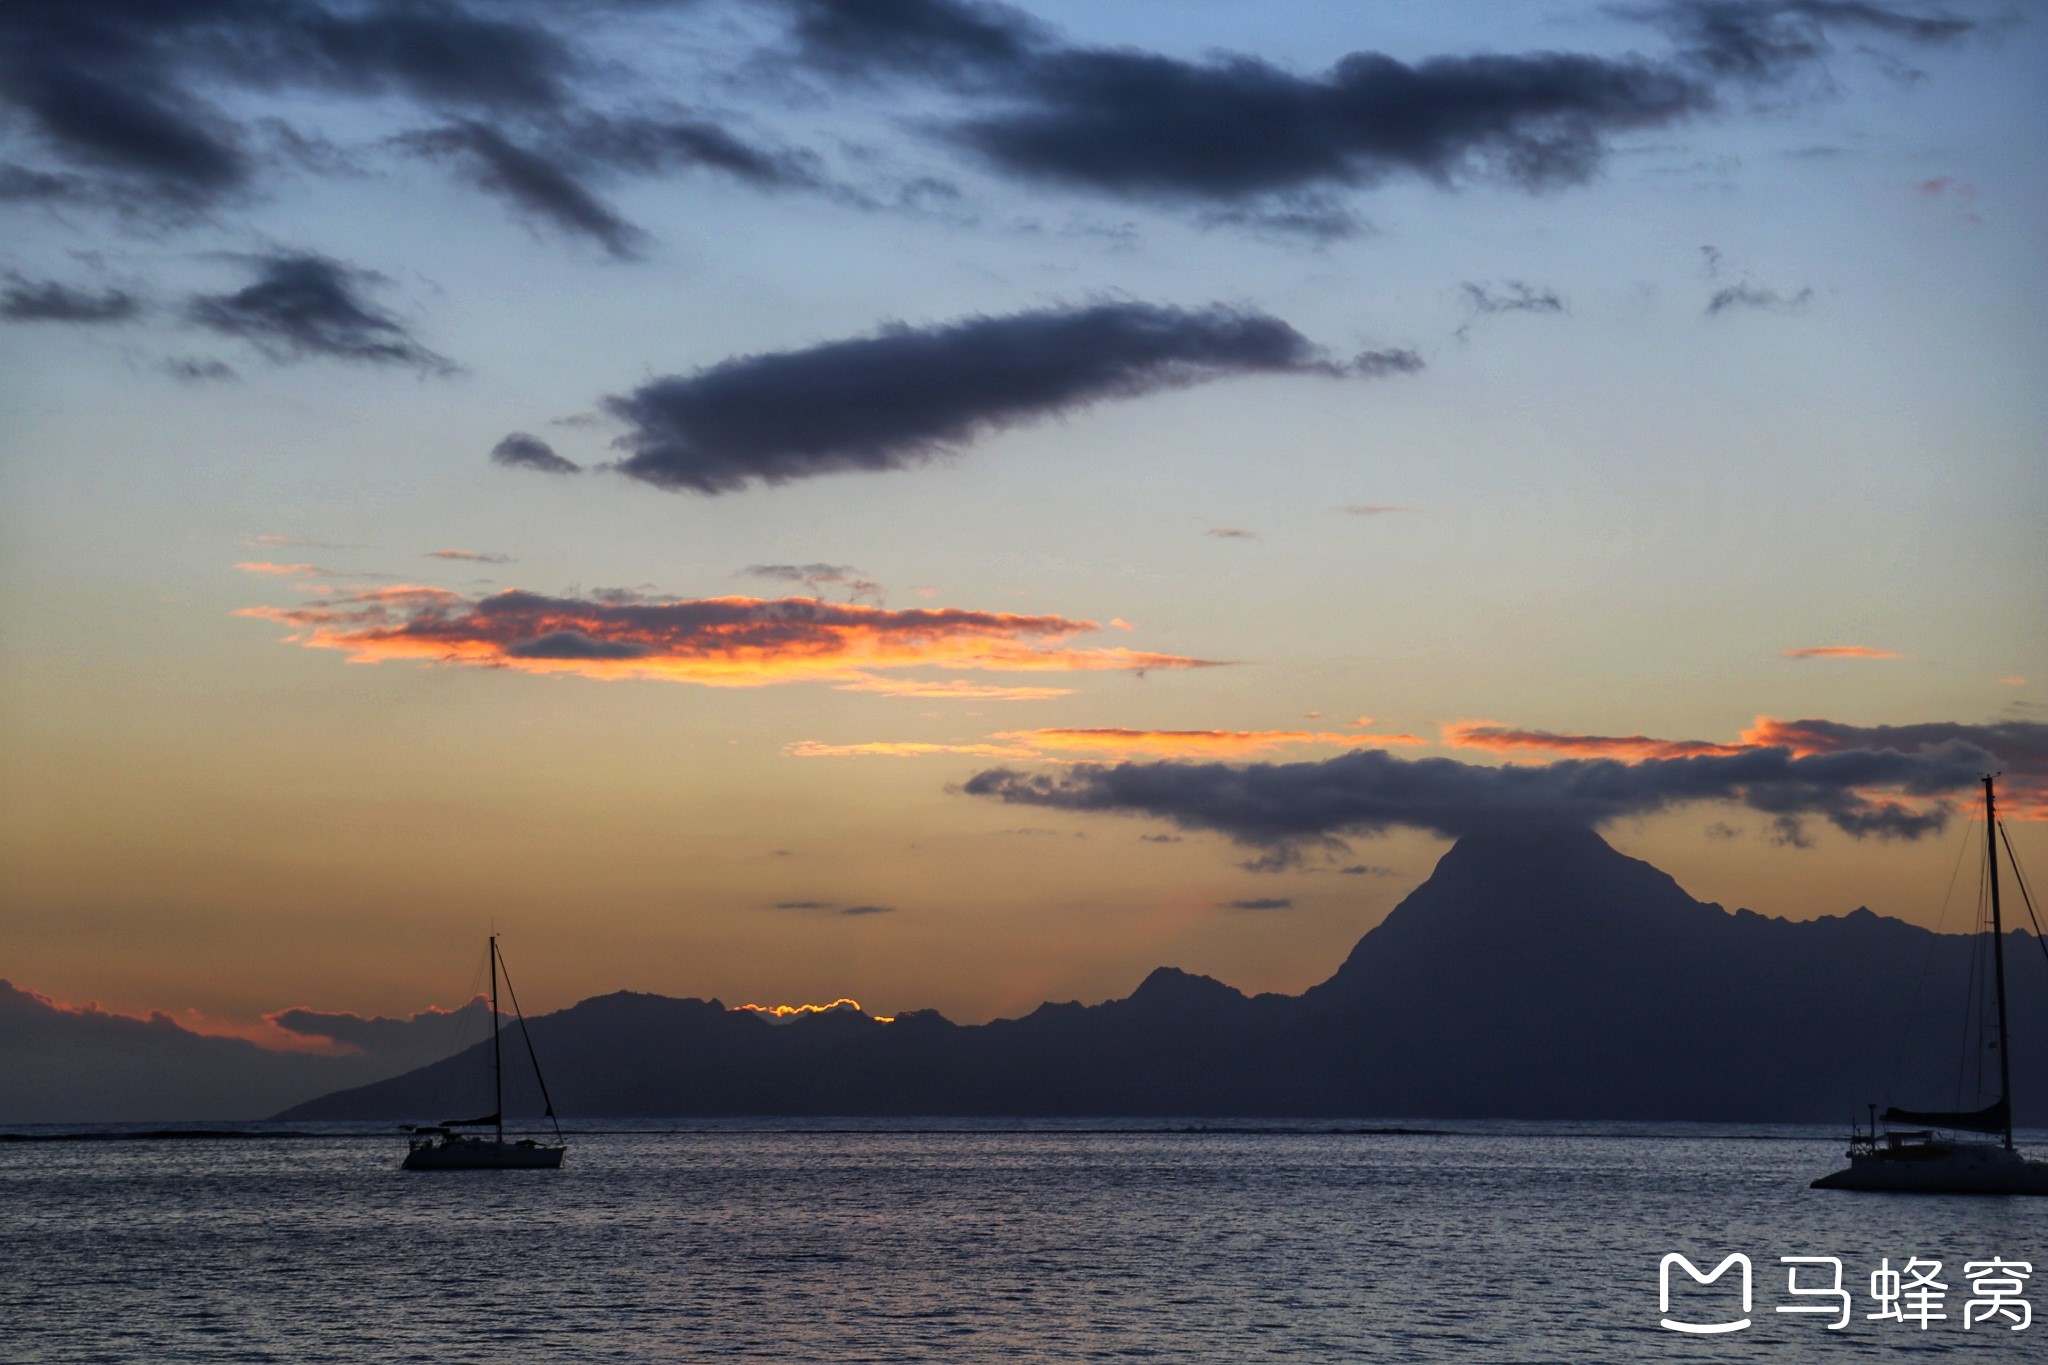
x=1767, y=41
x=198, y=369
x=1371, y=509
x=117, y=90
x=1501, y=739
x=1143, y=125
x=548, y=175
x=271, y=570
x=950, y=689
x=1750, y=295
x=536, y=184
x=1286, y=805
x=1510, y=296
x=949, y=39
x=869, y=910
x=819, y=576
x=302, y=306
x=1231, y=533
x=26, y=300
x=1380, y=364
x=521, y=451
x=716, y=642
x=803, y=905
x=1262, y=903
x=907, y=395
x=1041, y=743
x=469, y=556
x=1842, y=652
x=811, y=748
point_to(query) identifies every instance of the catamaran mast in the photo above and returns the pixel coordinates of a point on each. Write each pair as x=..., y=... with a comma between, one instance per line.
x=498, y=1067
x=1998, y=959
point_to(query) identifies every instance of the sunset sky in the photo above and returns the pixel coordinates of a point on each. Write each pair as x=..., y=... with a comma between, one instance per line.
x=954, y=505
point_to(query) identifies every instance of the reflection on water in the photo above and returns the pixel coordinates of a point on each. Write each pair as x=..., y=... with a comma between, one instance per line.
x=989, y=1241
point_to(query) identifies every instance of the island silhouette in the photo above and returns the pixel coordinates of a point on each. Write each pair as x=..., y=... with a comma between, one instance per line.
x=1538, y=974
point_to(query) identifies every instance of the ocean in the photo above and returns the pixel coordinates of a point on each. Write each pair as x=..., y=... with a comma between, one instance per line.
x=972, y=1241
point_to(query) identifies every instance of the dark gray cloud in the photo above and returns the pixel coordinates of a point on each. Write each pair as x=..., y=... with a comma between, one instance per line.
x=1378, y=364
x=304, y=306
x=1767, y=41
x=1509, y=296
x=536, y=184
x=1262, y=903
x=953, y=40
x=1139, y=124
x=574, y=644
x=112, y=86
x=1283, y=805
x=521, y=451
x=803, y=905
x=187, y=369
x=548, y=177
x=869, y=910
x=26, y=300
x=469, y=556
x=909, y=394
x=1751, y=295
x=818, y=577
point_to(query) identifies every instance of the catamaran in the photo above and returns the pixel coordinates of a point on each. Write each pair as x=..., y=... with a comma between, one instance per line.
x=1926, y=1151
x=443, y=1147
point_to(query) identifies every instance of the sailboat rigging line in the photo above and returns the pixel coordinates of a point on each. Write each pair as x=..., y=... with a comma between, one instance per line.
x=2026, y=896
x=1927, y=957
x=531, y=1055
x=462, y=1028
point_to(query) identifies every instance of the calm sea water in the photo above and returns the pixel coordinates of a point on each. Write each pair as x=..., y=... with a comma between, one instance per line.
x=869, y=1242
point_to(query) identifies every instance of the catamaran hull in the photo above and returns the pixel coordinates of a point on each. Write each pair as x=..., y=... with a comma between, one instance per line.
x=1998, y=1172
x=485, y=1156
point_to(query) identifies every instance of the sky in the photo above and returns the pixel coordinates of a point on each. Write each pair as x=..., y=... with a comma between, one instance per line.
x=953, y=505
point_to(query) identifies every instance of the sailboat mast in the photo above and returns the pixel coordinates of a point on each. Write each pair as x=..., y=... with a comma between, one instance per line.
x=498, y=1061
x=1998, y=959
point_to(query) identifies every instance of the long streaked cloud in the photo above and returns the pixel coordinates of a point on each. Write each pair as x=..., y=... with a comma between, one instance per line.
x=718, y=642
x=1269, y=144
x=1046, y=743
x=302, y=305
x=906, y=395
x=1886, y=781
x=1843, y=652
x=26, y=300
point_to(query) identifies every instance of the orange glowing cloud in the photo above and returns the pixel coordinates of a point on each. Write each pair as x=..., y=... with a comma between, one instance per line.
x=1094, y=743
x=1190, y=743
x=951, y=689
x=270, y=570
x=714, y=642
x=2019, y=748
x=1503, y=739
x=1843, y=652
x=883, y=748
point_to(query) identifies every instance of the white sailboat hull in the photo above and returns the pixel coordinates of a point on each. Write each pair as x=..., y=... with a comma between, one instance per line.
x=1940, y=1168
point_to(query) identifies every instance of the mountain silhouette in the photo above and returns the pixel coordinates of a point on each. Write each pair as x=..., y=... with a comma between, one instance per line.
x=1539, y=974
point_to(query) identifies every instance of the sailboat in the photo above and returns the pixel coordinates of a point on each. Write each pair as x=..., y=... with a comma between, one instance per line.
x=443, y=1147
x=1924, y=1151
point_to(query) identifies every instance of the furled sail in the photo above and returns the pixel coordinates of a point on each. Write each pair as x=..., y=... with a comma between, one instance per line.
x=1993, y=1118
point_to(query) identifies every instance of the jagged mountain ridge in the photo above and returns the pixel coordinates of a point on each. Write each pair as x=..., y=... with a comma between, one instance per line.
x=1542, y=975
